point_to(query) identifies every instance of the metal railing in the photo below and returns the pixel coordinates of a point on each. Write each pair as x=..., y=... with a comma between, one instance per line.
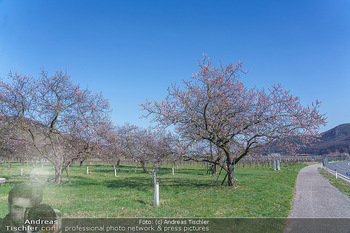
x=336, y=174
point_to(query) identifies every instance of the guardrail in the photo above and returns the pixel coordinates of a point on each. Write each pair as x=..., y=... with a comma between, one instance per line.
x=336, y=174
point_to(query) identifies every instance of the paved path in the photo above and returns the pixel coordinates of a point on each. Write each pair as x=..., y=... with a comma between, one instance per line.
x=316, y=198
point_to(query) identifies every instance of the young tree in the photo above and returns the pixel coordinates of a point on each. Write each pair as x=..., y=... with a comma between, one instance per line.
x=165, y=147
x=146, y=145
x=57, y=117
x=137, y=143
x=215, y=106
x=110, y=149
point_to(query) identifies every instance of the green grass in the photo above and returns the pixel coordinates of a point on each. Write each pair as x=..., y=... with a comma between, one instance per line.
x=260, y=192
x=340, y=184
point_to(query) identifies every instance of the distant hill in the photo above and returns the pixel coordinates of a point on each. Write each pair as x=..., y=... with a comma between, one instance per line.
x=14, y=142
x=331, y=141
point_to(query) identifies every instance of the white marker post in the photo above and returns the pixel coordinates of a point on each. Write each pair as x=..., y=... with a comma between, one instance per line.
x=274, y=165
x=278, y=165
x=156, y=189
x=154, y=178
x=173, y=170
x=336, y=174
x=156, y=194
x=33, y=171
x=115, y=171
x=2, y=180
x=87, y=170
x=21, y=171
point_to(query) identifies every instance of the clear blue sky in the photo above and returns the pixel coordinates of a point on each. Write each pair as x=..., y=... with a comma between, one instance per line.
x=133, y=50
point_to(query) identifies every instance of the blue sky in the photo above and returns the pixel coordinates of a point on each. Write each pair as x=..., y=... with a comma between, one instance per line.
x=133, y=50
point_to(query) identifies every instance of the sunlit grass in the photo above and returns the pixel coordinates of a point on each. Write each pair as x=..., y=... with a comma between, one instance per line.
x=259, y=192
x=340, y=184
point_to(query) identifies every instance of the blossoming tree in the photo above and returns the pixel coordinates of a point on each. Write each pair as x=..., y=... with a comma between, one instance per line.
x=58, y=118
x=215, y=106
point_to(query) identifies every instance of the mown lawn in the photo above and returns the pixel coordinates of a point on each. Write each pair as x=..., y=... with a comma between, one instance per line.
x=260, y=192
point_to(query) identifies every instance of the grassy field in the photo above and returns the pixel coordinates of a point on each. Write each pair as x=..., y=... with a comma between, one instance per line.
x=340, y=184
x=260, y=192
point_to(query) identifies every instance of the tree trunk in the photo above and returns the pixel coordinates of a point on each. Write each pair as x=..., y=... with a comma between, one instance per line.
x=215, y=169
x=143, y=165
x=231, y=177
x=58, y=176
x=67, y=171
x=81, y=162
x=8, y=165
x=215, y=166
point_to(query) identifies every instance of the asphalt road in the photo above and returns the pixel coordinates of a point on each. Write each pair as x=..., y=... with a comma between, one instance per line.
x=342, y=167
x=315, y=197
x=318, y=206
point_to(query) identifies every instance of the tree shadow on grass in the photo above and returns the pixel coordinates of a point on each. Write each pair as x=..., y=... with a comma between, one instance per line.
x=130, y=182
x=143, y=185
x=138, y=181
x=141, y=202
x=191, y=172
x=185, y=182
x=78, y=181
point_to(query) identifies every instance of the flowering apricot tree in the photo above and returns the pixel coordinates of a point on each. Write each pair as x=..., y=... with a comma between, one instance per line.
x=58, y=118
x=145, y=145
x=215, y=106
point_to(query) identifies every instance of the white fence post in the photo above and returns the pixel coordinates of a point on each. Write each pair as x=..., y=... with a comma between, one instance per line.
x=87, y=170
x=278, y=165
x=156, y=194
x=156, y=189
x=33, y=171
x=338, y=175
